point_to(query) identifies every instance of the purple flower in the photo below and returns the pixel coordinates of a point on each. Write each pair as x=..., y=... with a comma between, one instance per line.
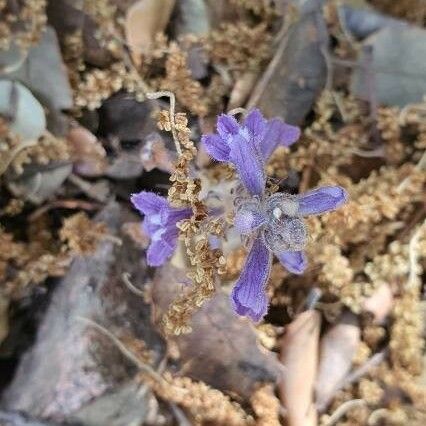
x=274, y=224
x=249, y=145
x=160, y=225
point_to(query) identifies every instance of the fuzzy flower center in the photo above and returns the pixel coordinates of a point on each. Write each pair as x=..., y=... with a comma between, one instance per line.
x=281, y=226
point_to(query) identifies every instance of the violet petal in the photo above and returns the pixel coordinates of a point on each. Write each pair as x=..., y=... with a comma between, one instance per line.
x=227, y=126
x=249, y=296
x=255, y=123
x=148, y=202
x=321, y=200
x=293, y=261
x=216, y=147
x=159, y=251
x=278, y=133
x=249, y=165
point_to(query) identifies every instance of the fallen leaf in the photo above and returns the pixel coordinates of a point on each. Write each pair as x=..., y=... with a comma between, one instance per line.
x=155, y=155
x=68, y=18
x=338, y=346
x=123, y=117
x=13, y=418
x=44, y=72
x=222, y=350
x=380, y=303
x=38, y=183
x=398, y=65
x=89, y=155
x=192, y=17
x=221, y=11
x=126, y=405
x=242, y=89
x=299, y=68
x=70, y=363
x=127, y=165
x=299, y=355
x=11, y=59
x=22, y=110
x=362, y=22
x=144, y=19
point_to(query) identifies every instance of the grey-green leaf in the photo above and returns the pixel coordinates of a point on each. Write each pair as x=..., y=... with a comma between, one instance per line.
x=22, y=110
x=398, y=66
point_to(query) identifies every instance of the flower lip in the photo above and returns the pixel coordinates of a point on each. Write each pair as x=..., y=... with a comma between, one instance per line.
x=249, y=295
x=160, y=223
x=321, y=200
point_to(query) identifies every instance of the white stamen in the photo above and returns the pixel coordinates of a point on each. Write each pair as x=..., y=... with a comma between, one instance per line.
x=277, y=212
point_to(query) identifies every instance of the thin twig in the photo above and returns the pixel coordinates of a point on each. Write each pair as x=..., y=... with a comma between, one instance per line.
x=311, y=300
x=421, y=165
x=125, y=351
x=126, y=279
x=354, y=64
x=419, y=215
x=171, y=96
x=355, y=375
x=370, y=84
x=63, y=204
x=179, y=415
x=377, y=415
x=236, y=111
x=323, y=43
x=362, y=370
x=267, y=75
x=343, y=409
x=86, y=187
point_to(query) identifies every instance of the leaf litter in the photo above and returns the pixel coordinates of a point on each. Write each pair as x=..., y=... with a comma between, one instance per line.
x=348, y=73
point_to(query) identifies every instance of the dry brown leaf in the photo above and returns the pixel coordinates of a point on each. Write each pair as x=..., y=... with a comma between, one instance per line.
x=300, y=357
x=88, y=153
x=154, y=154
x=380, y=303
x=144, y=20
x=298, y=69
x=222, y=349
x=242, y=89
x=338, y=346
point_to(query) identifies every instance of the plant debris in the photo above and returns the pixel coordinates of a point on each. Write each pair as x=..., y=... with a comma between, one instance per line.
x=107, y=317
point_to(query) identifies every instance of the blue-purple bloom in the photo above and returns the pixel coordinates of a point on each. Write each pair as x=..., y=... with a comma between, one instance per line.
x=249, y=145
x=274, y=223
x=160, y=224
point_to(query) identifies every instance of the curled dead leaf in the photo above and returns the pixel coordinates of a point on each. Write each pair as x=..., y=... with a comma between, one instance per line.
x=242, y=89
x=88, y=153
x=144, y=20
x=380, y=303
x=300, y=357
x=338, y=346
